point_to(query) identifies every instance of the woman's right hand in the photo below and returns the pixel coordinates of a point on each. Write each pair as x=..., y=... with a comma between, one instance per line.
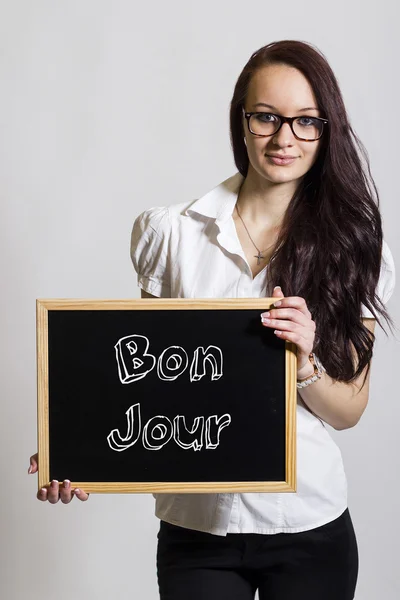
x=55, y=491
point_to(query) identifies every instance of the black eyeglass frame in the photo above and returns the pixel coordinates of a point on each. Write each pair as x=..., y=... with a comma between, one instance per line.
x=283, y=120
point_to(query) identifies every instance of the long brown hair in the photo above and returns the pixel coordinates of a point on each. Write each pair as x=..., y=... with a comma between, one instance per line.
x=330, y=243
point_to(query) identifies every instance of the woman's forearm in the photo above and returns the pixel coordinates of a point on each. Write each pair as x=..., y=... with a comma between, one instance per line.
x=338, y=404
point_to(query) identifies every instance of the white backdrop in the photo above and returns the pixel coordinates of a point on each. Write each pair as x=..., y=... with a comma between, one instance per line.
x=111, y=107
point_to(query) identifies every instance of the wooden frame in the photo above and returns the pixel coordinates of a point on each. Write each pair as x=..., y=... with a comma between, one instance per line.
x=45, y=305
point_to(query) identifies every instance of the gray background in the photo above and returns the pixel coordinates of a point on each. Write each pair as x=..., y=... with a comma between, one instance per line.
x=108, y=108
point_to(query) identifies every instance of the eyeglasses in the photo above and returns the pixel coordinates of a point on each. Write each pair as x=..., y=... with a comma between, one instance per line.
x=304, y=128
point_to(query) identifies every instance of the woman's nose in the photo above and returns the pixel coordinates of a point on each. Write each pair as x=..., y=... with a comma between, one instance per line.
x=285, y=136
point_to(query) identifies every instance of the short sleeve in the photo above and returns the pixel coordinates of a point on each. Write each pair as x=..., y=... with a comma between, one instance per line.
x=387, y=280
x=149, y=251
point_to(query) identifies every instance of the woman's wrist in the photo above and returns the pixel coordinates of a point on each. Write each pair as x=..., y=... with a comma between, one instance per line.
x=306, y=371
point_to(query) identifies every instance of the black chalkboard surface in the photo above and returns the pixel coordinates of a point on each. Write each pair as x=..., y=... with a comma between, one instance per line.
x=160, y=395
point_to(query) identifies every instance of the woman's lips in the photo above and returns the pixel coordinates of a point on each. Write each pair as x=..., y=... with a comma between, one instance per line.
x=281, y=161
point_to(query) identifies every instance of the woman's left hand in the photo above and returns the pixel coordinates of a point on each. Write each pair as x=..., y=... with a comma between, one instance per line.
x=292, y=322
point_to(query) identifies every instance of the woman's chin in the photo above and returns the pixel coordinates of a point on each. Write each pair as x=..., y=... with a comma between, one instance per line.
x=279, y=176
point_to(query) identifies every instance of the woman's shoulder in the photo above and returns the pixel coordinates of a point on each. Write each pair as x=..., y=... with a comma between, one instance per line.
x=387, y=279
x=387, y=257
x=161, y=218
x=155, y=218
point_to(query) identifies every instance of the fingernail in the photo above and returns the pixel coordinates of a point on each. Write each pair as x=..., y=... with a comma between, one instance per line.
x=42, y=491
x=77, y=491
x=277, y=287
x=67, y=483
x=264, y=314
x=54, y=483
x=277, y=303
x=30, y=469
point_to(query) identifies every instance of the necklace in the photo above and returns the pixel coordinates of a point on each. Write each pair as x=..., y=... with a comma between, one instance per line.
x=258, y=256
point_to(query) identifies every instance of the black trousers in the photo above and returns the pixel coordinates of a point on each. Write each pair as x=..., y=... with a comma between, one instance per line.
x=319, y=564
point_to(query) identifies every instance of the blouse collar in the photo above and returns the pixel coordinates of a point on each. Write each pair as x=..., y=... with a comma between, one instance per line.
x=219, y=203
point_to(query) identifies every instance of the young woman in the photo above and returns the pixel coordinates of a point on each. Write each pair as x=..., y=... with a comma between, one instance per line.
x=299, y=221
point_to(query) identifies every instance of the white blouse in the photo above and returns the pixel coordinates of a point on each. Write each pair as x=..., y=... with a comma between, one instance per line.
x=192, y=250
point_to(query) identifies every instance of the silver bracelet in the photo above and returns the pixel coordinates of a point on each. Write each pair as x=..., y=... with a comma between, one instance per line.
x=318, y=370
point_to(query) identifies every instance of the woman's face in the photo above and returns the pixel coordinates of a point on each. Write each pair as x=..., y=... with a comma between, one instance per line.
x=286, y=92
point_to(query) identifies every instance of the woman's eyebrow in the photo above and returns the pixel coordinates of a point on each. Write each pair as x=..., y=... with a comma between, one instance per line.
x=275, y=108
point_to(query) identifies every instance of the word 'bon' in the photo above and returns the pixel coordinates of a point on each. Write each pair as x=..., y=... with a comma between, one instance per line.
x=134, y=362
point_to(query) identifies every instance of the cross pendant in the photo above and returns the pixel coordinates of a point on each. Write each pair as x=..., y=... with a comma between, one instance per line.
x=259, y=257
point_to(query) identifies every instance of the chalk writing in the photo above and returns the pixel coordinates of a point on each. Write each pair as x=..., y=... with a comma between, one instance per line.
x=134, y=362
x=159, y=430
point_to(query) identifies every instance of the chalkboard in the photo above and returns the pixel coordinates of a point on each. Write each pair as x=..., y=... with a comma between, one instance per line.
x=165, y=395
